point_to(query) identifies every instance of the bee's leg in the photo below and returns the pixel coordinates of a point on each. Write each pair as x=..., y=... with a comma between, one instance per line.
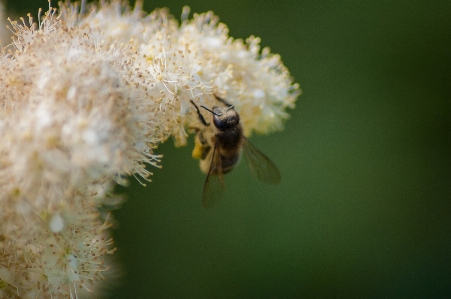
x=201, y=147
x=201, y=138
x=201, y=118
x=223, y=101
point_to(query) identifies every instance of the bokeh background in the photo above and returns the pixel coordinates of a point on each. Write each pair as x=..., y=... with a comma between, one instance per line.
x=364, y=207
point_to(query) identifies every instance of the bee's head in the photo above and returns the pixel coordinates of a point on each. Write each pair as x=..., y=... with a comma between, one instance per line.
x=224, y=118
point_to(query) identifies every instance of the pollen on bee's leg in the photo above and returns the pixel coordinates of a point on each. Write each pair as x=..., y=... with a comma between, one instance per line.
x=198, y=148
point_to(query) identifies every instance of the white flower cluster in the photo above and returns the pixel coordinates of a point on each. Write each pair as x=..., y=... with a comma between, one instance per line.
x=85, y=100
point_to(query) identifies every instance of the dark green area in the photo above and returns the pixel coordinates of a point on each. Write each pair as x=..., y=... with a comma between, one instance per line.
x=364, y=208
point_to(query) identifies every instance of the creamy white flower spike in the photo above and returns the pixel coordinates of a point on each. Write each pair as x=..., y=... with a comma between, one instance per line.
x=86, y=98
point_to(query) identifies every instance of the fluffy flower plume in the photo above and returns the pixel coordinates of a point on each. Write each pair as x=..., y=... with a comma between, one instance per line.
x=86, y=97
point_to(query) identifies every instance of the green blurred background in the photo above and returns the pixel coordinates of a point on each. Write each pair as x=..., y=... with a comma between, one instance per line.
x=364, y=208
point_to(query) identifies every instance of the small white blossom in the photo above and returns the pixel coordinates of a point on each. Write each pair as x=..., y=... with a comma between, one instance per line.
x=86, y=98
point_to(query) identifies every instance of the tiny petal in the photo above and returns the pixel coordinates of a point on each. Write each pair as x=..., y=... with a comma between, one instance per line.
x=56, y=223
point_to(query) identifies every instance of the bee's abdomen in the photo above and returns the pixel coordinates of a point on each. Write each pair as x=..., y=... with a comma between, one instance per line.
x=229, y=144
x=229, y=162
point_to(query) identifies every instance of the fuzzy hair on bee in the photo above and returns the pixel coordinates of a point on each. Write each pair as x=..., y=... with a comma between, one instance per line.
x=219, y=146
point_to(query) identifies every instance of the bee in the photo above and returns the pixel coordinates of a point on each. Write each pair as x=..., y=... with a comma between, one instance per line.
x=219, y=147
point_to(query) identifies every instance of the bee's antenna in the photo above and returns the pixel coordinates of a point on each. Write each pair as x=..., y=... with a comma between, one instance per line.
x=201, y=118
x=214, y=113
x=231, y=107
x=223, y=101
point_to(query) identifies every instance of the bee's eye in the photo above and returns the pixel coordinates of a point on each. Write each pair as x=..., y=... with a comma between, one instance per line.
x=221, y=124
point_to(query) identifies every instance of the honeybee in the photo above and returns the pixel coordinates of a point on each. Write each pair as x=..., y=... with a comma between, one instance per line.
x=219, y=149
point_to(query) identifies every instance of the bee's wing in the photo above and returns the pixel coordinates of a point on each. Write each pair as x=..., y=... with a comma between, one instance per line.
x=260, y=165
x=214, y=187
